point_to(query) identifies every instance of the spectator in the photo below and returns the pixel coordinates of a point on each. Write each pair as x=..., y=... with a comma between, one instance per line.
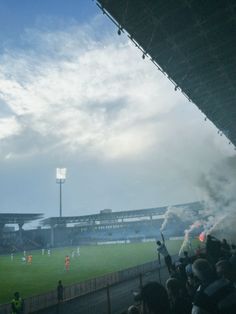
x=161, y=249
x=178, y=272
x=179, y=303
x=213, y=249
x=188, y=269
x=192, y=284
x=224, y=269
x=154, y=299
x=225, y=249
x=233, y=255
x=213, y=295
x=233, y=249
x=198, y=251
x=133, y=309
x=233, y=263
x=60, y=290
x=186, y=259
x=17, y=304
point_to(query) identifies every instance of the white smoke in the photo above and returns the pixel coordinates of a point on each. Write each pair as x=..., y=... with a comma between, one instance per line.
x=186, y=245
x=168, y=214
x=184, y=213
x=219, y=192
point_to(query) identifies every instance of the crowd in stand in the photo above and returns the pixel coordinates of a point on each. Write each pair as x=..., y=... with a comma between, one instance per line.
x=201, y=284
x=13, y=245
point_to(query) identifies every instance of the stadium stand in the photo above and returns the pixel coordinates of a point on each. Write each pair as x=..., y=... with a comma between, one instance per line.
x=132, y=225
x=10, y=239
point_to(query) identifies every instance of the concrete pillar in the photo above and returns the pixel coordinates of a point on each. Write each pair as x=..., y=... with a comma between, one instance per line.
x=52, y=235
x=20, y=225
x=2, y=224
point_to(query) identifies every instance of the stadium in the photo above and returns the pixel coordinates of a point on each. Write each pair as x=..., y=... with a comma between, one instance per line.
x=105, y=258
x=90, y=232
x=131, y=225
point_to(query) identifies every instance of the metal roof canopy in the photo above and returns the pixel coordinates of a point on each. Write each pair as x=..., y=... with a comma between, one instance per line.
x=14, y=218
x=139, y=213
x=194, y=43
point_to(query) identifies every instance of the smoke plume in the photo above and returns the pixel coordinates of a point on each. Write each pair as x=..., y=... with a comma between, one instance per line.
x=186, y=245
x=218, y=191
x=219, y=187
x=184, y=213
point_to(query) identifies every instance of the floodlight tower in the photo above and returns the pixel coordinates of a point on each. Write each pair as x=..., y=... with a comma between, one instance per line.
x=60, y=179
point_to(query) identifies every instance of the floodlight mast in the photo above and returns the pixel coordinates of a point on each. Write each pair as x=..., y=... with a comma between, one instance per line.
x=60, y=179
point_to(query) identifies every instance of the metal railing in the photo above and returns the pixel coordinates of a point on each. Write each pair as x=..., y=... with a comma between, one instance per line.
x=36, y=303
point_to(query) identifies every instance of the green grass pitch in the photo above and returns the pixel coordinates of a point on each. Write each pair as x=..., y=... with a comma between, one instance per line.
x=45, y=271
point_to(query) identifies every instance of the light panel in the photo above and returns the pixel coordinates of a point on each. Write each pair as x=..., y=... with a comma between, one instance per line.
x=61, y=173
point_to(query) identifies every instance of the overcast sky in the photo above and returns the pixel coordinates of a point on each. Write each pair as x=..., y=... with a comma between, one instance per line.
x=74, y=94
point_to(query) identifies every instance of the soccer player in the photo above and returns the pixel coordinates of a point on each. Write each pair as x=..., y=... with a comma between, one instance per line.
x=67, y=263
x=12, y=256
x=73, y=254
x=49, y=252
x=29, y=259
x=78, y=251
x=43, y=251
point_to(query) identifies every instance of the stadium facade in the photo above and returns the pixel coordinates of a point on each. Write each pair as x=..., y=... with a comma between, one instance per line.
x=106, y=226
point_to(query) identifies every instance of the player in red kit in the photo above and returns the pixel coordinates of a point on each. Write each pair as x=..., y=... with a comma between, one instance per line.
x=67, y=263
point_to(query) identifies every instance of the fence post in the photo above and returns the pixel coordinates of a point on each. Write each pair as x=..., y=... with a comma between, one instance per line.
x=108, y=300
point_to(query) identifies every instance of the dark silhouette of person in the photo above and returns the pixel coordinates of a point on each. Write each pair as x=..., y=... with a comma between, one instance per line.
x=214, y=295
x=161, y=249
x=154, y=299
x=186, y=259
x=225, y=249
x=213, y=249
x=133, y=310
x=17, y=304
x=60, y=290
x=180, y=303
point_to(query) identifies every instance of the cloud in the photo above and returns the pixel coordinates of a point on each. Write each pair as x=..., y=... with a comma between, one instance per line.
x=82, y=95
x=8, y=127
x=95, y=96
